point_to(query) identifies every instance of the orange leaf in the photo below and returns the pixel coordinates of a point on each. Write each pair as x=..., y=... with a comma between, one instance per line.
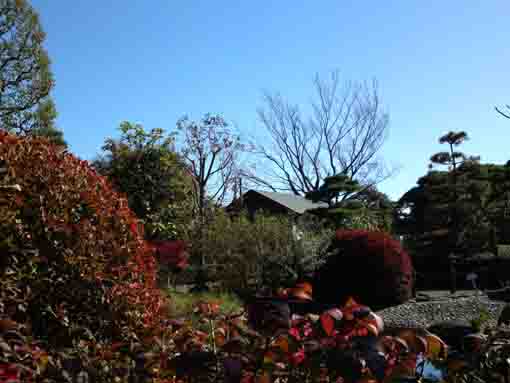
x=436, y=348
x=265, y=377
x=351, y=303
x=299, y=293
x=282, y=343
x=305, y=286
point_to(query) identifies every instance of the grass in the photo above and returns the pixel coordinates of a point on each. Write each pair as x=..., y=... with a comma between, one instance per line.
x=182, y=304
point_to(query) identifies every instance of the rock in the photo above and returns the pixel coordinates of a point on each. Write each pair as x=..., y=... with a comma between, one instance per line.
x=500, y=294
x=452, y=332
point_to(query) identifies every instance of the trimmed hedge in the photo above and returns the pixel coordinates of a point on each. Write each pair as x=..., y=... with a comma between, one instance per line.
x=75, y=271
x=369, y=266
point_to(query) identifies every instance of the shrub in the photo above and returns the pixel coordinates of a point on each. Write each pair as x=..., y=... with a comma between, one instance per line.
x=74, y=266
x=257, y=253
x=370, y=266
x=172, y=256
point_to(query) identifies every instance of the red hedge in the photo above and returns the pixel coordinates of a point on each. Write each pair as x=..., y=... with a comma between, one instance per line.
x=370, y=266
x=71, y=216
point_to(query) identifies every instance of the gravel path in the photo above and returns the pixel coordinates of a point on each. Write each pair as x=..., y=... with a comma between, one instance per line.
x=423, y=314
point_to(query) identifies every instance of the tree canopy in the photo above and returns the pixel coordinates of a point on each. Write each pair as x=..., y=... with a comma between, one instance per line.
x=210, y=150
x=366, y=208
x=25, y=76
x=144, y=165
x=343, y=133
x=483, y=207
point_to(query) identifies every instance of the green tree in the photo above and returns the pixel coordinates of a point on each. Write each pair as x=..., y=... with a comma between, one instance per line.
x=483, y=207
x=352, y=206
x=25, y=76
x=145, y=166
x=56, y=136
x=452, y=159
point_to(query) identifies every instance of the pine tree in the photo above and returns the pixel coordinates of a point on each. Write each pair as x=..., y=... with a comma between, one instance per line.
x=453, y=160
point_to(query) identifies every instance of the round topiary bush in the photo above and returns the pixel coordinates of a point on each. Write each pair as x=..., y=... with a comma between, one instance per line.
x=369, y=266
x=74, y=266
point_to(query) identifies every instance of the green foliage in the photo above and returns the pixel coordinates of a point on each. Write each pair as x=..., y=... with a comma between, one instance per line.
x=25, y=75
x=352, y=206
x=482, y=318
x=482, y=205
x=263, y=252
x=334, y=188
x=54, y=135
x=145, y=167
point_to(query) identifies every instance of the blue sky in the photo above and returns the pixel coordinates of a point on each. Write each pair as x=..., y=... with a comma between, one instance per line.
x=441, y=65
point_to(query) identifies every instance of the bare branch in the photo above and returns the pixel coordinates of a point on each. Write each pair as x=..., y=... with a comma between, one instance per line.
x=344, y=133
x=211, y=152
x=504, y=114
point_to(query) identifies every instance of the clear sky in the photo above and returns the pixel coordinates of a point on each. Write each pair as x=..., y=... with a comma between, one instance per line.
x=441, y=65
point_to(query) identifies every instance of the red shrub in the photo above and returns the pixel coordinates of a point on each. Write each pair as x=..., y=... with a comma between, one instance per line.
x=73, y=258
x=172, y=254
x=370, y=266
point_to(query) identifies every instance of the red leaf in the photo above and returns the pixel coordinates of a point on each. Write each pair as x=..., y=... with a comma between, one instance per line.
x=328, y=323
x=297, y=357
x=295, y=333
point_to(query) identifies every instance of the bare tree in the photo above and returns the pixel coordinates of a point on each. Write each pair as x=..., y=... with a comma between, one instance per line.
x=344, y=134
x=211, y=150
x=505, y=113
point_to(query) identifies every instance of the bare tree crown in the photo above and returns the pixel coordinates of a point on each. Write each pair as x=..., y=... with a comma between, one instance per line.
x=504, y=112
x=210, y=149
x=343, y=134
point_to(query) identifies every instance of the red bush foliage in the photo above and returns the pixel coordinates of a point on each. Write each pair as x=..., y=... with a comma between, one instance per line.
x=370, y=266
x=73, y=258
x=171, y=253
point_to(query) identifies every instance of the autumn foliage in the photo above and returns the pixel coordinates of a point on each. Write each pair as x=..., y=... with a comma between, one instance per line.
x=171, y=253
x=370, y=266
x=74, y=266
x=78, y=298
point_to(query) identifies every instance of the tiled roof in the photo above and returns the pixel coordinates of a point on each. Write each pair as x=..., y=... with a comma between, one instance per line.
x=292, y=202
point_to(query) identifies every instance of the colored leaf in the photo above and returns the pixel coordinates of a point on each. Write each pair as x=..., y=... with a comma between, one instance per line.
x=436, y=348
x=282, y=343
x=327, y=323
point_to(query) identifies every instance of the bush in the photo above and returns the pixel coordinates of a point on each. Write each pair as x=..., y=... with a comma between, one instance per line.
x=74, y=266
x=172, y=257
x=370, y=266
x=258, y=253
